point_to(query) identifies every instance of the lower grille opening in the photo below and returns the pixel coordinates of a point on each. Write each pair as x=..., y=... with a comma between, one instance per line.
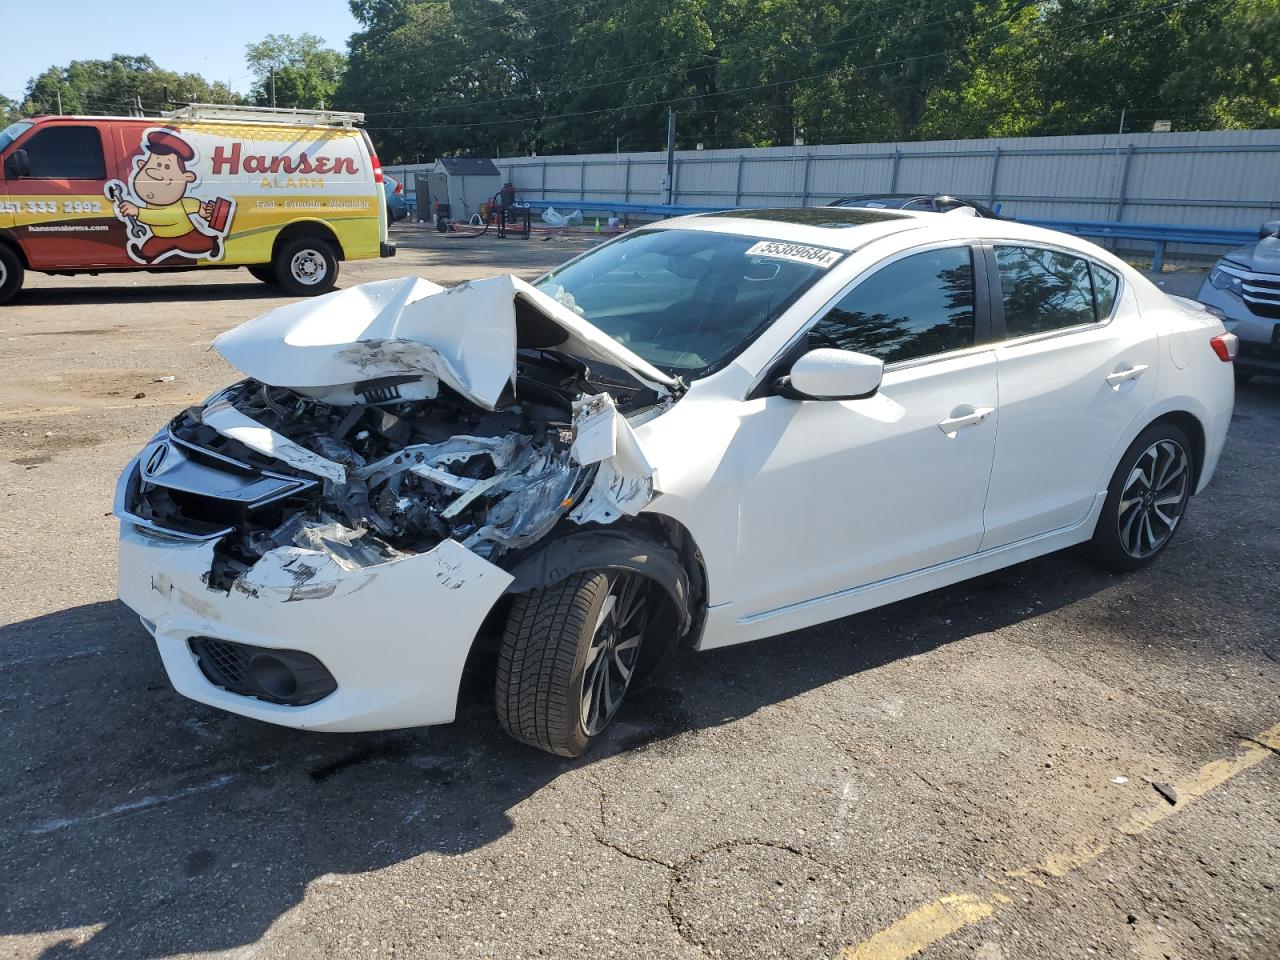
x=288, y=677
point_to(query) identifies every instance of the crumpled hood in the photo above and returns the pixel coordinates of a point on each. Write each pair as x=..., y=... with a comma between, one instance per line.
x=410, y=334
x=1262, y=257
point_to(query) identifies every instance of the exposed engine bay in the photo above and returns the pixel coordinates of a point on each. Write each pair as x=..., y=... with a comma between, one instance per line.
x=419, y=452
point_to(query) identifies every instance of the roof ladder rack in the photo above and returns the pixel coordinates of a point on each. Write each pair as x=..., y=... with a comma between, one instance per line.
x=293, y=116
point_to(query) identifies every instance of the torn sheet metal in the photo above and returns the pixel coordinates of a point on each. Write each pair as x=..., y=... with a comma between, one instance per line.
x=231, y=423
x=405, y=336
x=625, y=482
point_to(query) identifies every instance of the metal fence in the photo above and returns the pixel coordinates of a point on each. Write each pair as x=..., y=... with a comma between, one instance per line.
x=1227, y=179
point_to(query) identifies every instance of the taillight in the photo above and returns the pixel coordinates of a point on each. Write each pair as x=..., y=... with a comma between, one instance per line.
x=1226, y=346
x=377, y=168
x=399, y=188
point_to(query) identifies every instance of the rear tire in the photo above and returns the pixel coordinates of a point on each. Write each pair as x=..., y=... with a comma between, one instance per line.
x=306, y=267
x=264, y=272
x=1146, y=501
x=11, y=273
x=568, y=657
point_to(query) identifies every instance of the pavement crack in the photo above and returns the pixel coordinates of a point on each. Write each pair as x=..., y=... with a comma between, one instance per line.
x=600, y=837
x=1260, y=743
x=952, y=798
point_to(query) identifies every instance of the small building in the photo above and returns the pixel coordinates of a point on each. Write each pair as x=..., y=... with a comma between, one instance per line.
x=462, y=182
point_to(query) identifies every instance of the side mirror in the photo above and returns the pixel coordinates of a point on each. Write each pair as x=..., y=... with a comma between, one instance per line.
x=826, y=374
x=1269, y=229
x=17, y=166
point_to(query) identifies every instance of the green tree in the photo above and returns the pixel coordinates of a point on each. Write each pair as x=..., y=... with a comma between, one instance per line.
x=114, y=86
x=464, y=76
x=307, y=73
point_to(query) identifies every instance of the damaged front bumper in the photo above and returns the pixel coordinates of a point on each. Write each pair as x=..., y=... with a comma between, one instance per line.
x=394, y=637
x=323, y=555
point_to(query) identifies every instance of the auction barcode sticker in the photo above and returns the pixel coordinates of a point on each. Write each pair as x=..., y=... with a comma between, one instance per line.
x=799, y=252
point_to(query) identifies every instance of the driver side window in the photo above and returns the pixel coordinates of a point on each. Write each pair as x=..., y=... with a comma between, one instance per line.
x=915, y=307
x=66, y=153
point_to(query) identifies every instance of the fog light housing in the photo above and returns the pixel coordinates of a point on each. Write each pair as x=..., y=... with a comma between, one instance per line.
x=288, y=677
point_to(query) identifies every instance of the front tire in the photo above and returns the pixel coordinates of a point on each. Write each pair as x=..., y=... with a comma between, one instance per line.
x=1146, y=500
x=306, y=267
x=568, y=657
x=11, y=273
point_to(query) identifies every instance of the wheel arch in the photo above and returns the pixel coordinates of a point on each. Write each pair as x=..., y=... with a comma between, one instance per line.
x=654, y=545
x=307, y=229
x=1189, y=424
x=7, y=239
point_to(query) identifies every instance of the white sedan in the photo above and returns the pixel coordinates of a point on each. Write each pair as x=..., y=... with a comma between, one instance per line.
x=711, y=430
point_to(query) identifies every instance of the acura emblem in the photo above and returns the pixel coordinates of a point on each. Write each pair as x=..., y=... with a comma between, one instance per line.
x=155, y=458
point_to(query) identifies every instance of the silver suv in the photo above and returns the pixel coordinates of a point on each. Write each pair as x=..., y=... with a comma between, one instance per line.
x=1244, y=290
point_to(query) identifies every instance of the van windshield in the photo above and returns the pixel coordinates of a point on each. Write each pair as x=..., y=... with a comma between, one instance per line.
x=13, y=131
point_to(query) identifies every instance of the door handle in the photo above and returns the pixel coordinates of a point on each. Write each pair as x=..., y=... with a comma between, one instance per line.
x=953, y=425
x=1129, y=373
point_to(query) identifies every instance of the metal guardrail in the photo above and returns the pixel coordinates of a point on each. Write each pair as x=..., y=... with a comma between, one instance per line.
x=1159, y=234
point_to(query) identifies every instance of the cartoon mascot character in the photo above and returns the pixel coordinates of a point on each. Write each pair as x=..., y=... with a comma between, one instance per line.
x=159, y=204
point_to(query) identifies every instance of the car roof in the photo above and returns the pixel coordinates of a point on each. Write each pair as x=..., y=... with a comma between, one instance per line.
x=924, y=226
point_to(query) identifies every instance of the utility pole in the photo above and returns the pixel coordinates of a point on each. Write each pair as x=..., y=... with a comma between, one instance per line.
x=671, y=154
x=59, y=101
x=273, y=86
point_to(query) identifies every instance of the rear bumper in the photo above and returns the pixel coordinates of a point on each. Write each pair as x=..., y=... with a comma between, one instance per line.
x=386, y=249
x=395, y=636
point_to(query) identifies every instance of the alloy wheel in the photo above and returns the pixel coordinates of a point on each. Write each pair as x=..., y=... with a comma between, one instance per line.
x=614, y=650
x=1153, y=499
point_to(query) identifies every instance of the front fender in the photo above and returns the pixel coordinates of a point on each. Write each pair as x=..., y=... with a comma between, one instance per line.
x=621, y=549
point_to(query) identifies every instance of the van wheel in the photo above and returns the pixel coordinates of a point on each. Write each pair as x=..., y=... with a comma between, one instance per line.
x=10, y=274
x=1146, y=500
x=264, y=272
x=306, y=267
x=568, y=657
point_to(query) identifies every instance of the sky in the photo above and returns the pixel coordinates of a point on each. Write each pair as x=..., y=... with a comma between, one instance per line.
x=199, y=36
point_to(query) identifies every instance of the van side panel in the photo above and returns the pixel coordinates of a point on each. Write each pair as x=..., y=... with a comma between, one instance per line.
x=62, y=221
x=278, y=177
x=181, y=194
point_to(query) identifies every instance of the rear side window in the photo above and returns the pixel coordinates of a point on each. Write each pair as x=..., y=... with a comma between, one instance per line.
x=66, y=153
x=915, y=307
x=1106, y=285
x=1043, y=290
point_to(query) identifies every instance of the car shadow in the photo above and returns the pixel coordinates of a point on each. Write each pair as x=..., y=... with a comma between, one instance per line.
x=165, y=826
x=177, y=292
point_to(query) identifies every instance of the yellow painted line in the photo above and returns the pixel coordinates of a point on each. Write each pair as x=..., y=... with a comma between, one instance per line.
x=927, y=925
x=954, y=911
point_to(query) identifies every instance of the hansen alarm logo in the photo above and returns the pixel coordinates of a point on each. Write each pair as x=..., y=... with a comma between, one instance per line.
x=164, y=214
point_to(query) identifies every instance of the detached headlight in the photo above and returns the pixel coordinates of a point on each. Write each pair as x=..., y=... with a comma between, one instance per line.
x=1225, y=281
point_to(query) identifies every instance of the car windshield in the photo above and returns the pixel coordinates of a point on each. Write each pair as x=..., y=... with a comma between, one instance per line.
x=12, y=132
x=687, y=301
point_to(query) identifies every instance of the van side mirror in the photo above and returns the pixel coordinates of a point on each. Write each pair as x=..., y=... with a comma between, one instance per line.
x=17, y=166
x=1269, y=229
x=826, y=374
